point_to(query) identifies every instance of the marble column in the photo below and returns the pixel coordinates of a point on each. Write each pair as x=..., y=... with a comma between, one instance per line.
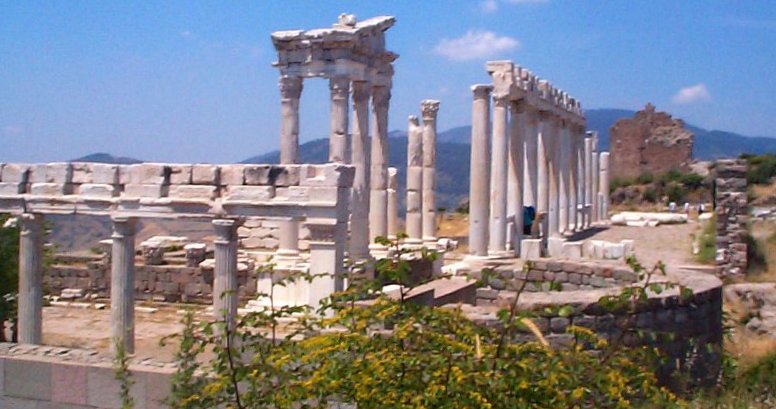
x=543, y=157
x=414, y=182
x=530, y=187
x=588, y=200
x=290, y=92
x=378, y=200
x=564, y=182
x=359, y=218
x=573, y=180
x=122, y=284
x=498, y=176
x=479, y=187
x=393, y=204
x=554, y=157
x=515, y=180
x=225, y=274
x=595, y=189
x=604, y=185
x=339, y=88
x=30, y=301
x=429, y=109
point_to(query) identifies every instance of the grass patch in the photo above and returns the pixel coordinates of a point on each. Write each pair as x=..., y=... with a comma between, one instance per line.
x=707, y=243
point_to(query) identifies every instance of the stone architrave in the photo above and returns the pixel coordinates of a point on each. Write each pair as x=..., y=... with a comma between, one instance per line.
x=225, y=272
x=517, y=136
x=498, y=176
x=393, y=204
x=604, y=185
x=339, y=88
x=359, y=219
x=429, y=109
x=30, y=307
x=414, y=182
x=479, y=190
x=290, y=92
x=122, y=287
x=588, y=199
x=378, y=200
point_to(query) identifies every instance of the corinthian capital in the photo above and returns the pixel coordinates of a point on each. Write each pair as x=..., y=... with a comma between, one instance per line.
x=339, y=87
x=290, y=87
x=429, y=109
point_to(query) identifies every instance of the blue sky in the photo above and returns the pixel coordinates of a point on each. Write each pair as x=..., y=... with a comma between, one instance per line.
x=193, y=81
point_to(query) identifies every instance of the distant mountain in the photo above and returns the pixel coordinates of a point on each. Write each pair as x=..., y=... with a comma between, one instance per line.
x=102, y=157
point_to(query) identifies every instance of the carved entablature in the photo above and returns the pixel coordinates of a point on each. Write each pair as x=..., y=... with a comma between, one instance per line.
x=351, y=48
x=512, y=83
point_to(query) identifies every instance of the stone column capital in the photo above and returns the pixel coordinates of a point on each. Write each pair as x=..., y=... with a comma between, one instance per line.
x=501, y=99
x=30, y=223
x=519, y=106
x=481, y=91
x=290, y=87
x=123, y=226
x=381, y=97
x=225, y=230
x=339, y=87
x=361, y=91
x=413, y=119
x=429, y=109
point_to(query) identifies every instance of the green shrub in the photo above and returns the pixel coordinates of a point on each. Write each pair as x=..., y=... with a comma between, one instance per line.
x=645, y=178
x=675, y=192
x=650, y=195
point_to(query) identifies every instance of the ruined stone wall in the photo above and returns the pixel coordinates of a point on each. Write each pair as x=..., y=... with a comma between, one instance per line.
x=732, y=217
x=170, y=283
x=651, y=142
x=687, y=329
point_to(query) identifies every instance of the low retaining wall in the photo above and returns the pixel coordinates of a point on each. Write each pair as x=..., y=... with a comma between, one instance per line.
x=682, y=328
x=732, y=216
x=51, y=377
x=170, y=283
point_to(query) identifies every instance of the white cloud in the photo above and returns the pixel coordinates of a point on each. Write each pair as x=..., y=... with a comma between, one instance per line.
x=475, y=44
x=13, y=130
x=692, y=94
x=488, y=6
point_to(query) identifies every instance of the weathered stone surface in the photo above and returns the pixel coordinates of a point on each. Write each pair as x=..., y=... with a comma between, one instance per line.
x=99, y=190
x=651, y=142
x=202, y=174
x=249, y=193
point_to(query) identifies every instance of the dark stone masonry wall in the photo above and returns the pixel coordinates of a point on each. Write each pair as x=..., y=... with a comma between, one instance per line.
x=732, y=217
x=170, y=283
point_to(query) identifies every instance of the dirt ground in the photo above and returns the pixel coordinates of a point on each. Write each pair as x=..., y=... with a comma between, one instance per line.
x=90, y=328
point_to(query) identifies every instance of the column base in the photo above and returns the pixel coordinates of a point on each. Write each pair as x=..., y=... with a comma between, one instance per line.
x=555, y=246
x=530, y=249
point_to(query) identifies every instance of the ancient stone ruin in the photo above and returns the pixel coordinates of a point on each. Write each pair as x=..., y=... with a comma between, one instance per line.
x=732, y=216
x=650, y=142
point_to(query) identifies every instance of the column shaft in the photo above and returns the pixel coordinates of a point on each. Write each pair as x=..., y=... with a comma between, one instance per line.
x=604, y=185
x=429, y=109
x=553, y=176
x=564, y=177
x=587, y=201
x=479, y=188
x=122, y=287
x=30, y=301
x=498, y=177
x=530, y=187
x=517, y=135
x=573, y=180
x=339, y=88
x=414, y=181
x=225, y=274
x=393, y=204
x=595, y=188
x=359, y=219
x=378, y=200
x=290, y=92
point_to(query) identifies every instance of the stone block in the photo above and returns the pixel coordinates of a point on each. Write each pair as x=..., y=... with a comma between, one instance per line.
x=28, y=379
x=103, y=389
x=328, y=175
x=61, y=172
x=15, y=173
x=82, y=172
x=105, y=173
x=180, y=174
x=157, y=388
x=293, y=193
x=252, y=222
x=555, y=246
x=258, y=175
x=205, y=192
x=322, y=194
x=535, y=275
x=97, y=190
x=203, y=174
x=50, y=189
x=251, y=243
x=629, y=246
x=614, y=251
x=148, y=174
x=559, y=324
x=270, y=243
x=12, y=188
x=144, y=190
x=530, y=249
x=249, y=193
x=68, y=383
x=572, y=250
x=243, y=232
x=232, y=175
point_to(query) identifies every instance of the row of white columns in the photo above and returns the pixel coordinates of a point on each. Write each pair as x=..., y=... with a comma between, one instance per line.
x=421, y=219
x=327, y=254
x=369, y=216
x=533, y=158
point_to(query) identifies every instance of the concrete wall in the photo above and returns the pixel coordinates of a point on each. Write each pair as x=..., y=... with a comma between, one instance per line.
x=40, y=377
